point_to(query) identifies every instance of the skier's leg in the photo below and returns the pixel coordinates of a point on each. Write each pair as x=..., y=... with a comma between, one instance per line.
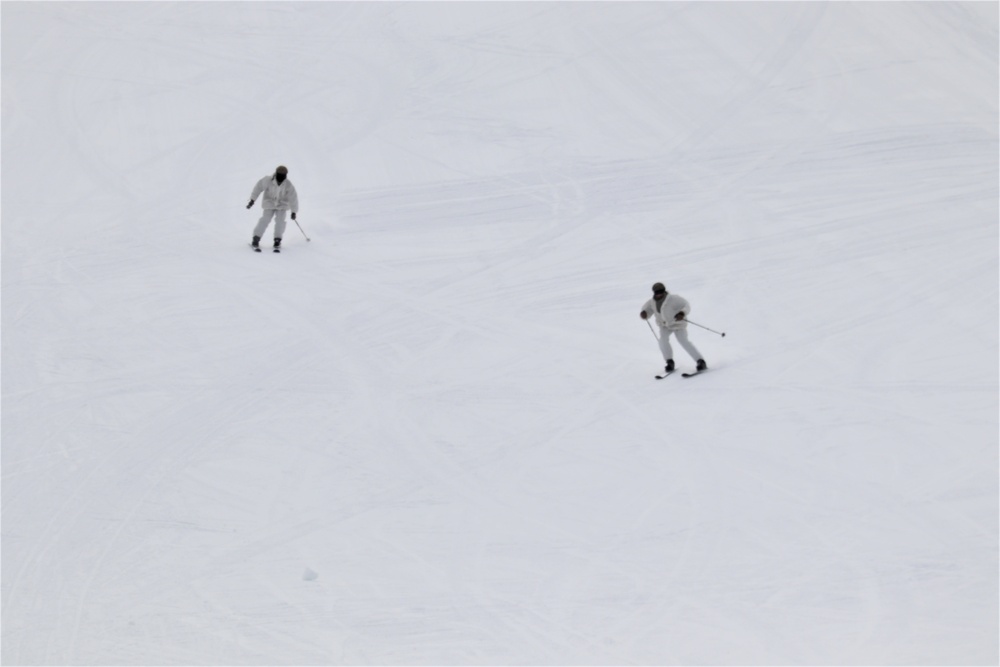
x=265, y=220
x=279, y=226
x=682, y=338
x=668, y=352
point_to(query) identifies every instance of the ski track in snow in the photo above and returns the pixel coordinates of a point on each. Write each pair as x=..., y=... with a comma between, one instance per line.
x=443, y=405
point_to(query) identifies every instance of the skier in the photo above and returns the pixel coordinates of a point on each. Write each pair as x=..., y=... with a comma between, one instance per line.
x=279, y=197
x=669, y=311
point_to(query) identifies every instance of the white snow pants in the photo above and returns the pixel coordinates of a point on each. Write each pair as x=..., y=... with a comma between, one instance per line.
x=682, y=338
x=279, y=222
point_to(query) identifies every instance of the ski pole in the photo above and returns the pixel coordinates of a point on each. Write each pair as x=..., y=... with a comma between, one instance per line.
x=653, y=332
x=300, y=229
x=704, y=327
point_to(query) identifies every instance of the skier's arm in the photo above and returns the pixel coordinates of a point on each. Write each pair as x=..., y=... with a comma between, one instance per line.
x=646, y=310
x=683, y=308
x=257, y=189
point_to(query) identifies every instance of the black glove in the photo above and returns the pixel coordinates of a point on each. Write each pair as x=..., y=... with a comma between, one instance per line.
x=679, y=316
x=293, y=215
x=644, y=315
x=250, y=204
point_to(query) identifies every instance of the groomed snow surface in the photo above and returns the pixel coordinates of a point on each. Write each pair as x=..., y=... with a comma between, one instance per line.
x=432, y=435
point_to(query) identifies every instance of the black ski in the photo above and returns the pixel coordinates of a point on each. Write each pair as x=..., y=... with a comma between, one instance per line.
x=691, y=375
x=660, y=377
x=277, y=249
x=255, y=248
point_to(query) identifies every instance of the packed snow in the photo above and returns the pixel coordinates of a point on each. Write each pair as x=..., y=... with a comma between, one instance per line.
x=432, y=434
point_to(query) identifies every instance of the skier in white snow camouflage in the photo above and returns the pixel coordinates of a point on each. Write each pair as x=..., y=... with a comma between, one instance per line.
x=669, y=312
x=279, y=198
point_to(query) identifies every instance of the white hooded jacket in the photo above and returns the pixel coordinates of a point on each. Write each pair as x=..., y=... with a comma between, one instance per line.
x=282, y=197
x=669, y=307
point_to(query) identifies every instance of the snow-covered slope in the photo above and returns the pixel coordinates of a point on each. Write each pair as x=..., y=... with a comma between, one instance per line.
x=431, y=435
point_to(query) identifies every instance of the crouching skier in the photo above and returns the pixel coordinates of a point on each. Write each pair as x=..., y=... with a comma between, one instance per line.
x=279, y=198
x=669, y=311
